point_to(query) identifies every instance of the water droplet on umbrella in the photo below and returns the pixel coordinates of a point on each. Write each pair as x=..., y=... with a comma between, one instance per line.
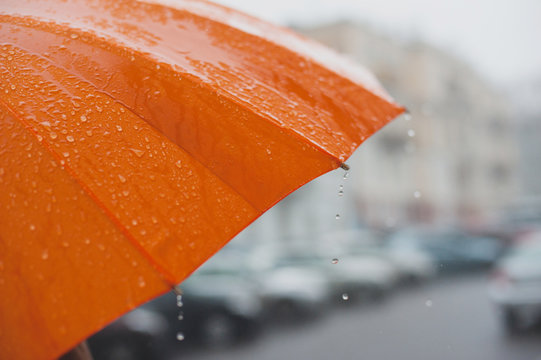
x=32, y=227
x=141, y=282
x=99, y=109
x=53, y=135
x=345, y=297
x=40, y=138
x=89, y=132
x=180, y=336
x=45, y=254
x=334, y=261
x=411, y=133
x=83, y=118
x=74, y=36
x=178, y=164
x=154, y=219
x=137, y=152
x=121, y=178
x=70, y=138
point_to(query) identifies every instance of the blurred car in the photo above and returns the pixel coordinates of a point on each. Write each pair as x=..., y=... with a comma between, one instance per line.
x=285, y=292
x=358, y=277
x=411, y=265
x=217, y=310
x=139, y=335
x=290, y=293
x=414, y=266
x=450, y=249
x=515, y=285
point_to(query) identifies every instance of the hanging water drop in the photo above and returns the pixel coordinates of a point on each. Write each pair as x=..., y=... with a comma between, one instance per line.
x=179, y=301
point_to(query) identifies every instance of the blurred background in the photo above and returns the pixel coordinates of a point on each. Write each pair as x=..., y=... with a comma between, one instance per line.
x=428, y=248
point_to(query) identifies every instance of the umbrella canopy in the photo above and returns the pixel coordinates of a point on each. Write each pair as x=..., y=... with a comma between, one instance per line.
x=137, y=138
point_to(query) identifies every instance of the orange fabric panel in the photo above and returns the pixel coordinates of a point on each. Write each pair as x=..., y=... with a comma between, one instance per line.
x=65, y=267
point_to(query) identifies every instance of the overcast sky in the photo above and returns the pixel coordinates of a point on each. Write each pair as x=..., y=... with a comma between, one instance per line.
x=500, y=38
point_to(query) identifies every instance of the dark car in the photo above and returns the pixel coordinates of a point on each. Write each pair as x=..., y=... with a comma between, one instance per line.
x=217, y=310
x=451, y=250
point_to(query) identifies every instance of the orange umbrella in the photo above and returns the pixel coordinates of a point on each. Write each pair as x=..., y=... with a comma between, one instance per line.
x=136, y=139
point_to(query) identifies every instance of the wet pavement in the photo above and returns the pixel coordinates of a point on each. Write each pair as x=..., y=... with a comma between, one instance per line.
x=448, y=319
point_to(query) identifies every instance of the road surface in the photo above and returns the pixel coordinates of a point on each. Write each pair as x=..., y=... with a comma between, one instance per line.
x=448, y=320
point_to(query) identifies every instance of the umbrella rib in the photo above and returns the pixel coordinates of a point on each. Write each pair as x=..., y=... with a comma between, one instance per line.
x=166, y=276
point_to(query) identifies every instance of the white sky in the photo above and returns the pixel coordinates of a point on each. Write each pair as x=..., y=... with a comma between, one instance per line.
x=500, y=38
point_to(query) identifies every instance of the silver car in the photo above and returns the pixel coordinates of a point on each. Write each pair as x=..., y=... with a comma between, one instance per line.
x=515, y=285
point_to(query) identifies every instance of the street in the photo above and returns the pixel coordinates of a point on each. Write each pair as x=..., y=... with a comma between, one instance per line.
x=448, y=319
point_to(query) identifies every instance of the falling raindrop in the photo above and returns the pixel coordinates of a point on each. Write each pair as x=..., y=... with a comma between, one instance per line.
x=428, y=303
x=341, y=193
x=411, y=133
x=334, y=261
x=417, y=194
x=180, y=336
x=180, y=316
x=337, y=217
x=345, y=297
x=179, y=301
x=346, y=175
x=407, y=116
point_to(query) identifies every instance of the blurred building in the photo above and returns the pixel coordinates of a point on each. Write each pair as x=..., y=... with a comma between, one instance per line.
x=454, y=161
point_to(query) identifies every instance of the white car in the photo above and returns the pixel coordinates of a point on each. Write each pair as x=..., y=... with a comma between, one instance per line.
x=515, y=285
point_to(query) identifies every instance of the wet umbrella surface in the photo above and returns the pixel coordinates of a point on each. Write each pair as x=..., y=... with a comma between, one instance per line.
x=136, y=139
